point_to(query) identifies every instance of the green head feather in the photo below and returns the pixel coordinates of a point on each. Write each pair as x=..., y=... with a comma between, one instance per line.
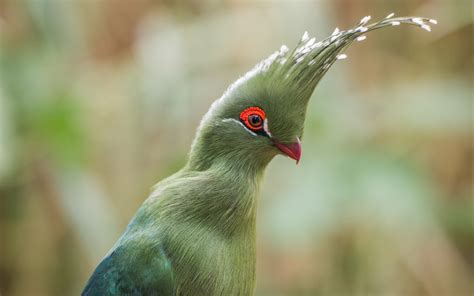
x=281, y=85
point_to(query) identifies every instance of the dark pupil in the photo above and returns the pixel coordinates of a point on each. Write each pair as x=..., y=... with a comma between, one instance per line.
x=255, y=120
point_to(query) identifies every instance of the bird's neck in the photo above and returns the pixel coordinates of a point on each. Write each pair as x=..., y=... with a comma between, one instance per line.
x=236, y=170
x=238, y=163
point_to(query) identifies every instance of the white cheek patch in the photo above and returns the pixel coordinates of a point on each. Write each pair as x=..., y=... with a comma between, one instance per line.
x=234, y=120
x=265, y=128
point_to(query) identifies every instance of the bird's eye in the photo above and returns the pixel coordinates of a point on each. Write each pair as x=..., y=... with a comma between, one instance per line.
x=253, y=118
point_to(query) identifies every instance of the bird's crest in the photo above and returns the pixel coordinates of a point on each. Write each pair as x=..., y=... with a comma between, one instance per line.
x=305, y=65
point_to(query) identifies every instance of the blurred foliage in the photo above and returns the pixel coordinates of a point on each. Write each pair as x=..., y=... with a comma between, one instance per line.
x=101, y=99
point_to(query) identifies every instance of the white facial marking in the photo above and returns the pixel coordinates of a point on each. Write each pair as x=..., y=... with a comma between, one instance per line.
x=265, y=128
x=234, y=120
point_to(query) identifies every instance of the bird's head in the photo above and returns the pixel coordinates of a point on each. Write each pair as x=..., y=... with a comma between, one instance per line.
x=263, y=113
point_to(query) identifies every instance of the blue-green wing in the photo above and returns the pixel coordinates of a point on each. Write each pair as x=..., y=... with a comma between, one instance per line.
x=128, y=272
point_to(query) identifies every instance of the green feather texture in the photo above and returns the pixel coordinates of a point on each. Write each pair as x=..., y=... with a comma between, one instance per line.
x=195, y=234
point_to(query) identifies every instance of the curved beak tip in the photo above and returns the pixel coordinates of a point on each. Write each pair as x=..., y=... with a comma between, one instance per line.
x=292, y=150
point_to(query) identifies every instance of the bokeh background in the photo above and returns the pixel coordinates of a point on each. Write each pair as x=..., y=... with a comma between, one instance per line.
x=100, y=99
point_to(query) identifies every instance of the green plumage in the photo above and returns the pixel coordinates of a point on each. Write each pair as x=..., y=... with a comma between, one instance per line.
x=195, y=234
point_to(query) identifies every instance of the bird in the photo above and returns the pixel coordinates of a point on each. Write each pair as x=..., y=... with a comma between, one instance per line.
x=195, y=234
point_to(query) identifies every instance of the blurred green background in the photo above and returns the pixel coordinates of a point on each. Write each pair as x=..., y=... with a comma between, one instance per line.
x=100, y=99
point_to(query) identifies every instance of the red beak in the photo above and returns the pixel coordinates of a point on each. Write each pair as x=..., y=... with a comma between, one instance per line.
x=292, y=150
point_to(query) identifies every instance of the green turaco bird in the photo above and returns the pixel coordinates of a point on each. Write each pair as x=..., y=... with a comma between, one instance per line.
x=195, y=234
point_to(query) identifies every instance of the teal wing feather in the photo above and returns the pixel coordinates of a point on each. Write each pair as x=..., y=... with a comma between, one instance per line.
x=149, y=273
x=137, y=265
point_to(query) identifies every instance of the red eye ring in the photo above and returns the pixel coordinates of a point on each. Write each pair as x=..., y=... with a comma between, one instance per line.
x=253, y=118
